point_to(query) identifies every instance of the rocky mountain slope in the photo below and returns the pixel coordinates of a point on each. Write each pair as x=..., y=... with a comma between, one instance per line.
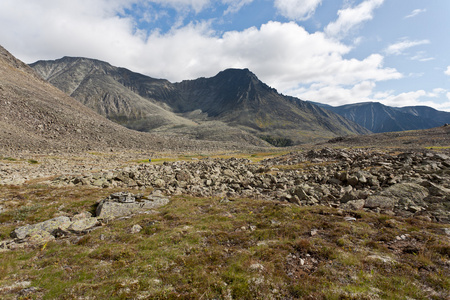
x=381, y=118
x=37, y=116
x=239, y=98
x=239, y=104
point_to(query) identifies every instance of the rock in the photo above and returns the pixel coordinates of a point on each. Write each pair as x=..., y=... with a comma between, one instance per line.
x=83, y=225
x=40, y=237
x=48, y=226
x=354, y=204
x=159, y=183
x=353, y=180
x=411, y=191
x=80, y=216
x=113, y=208
x=436, y=190
x=381, y=202
x=136, y=228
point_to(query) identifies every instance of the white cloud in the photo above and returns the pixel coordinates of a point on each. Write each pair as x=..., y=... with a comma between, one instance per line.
x=196, y=5
x=415, y=13
x=284, y=55
x=447, y=72
x=399, y=47
x=422, y=57
x=365, y=92
x=351, y=17
x=336, y=95
x=298, y=10
x=235, y=5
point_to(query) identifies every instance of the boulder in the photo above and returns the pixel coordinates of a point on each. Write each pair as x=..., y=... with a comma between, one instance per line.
x=111, y=207
x=381, y=202
x=48, y=226
x=40, y=237
x=83, y=225
x=354, y=204
x=407, y=193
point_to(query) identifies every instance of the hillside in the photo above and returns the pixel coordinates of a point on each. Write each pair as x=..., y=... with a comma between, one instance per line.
x=37, y=116
x=377, y=117
x=233, y=104
x=240, y=99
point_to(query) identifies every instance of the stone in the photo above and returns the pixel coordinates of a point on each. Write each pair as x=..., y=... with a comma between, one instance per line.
x=82, y=215
x=436, y=190
x=352, y=180
x=159, y=183
x=112, y=208
x=381, y=202
x=40, y=237
x=83, y=225
x=136, y=229
x=407, y=192
x=48, y=226
x=354, y=204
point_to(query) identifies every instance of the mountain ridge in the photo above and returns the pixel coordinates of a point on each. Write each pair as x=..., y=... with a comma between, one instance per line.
x=37, y=116
x=378, y=117
x=235, y=98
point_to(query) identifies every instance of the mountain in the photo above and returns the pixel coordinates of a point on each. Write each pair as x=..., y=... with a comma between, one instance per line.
x=233, y=104
x=36, y=116
x=108, y=90
x=381, y=118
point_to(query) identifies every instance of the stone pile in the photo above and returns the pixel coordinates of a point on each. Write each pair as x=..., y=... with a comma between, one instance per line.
x=405, y=184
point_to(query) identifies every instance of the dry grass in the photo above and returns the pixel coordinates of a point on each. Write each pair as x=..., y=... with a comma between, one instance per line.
x=196, y=248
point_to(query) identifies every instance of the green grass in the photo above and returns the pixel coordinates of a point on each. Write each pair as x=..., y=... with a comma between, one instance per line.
x=201, y=248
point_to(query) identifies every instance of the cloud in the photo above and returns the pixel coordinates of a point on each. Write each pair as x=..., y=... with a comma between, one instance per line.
x=422, y=57
x=415, y=13
x=399, y=47
x=298, y=10
x=447, y=72
x=283, y=55
x=196, y=5
x=235, y=5
x=351, y=17
x=336, y=95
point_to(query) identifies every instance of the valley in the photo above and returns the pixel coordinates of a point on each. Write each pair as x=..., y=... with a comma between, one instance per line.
x=202, y=206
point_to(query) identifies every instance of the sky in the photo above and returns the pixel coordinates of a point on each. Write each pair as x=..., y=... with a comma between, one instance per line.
x=336, y=52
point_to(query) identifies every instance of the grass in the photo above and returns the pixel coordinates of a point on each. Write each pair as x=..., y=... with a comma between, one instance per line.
x=201, y=248
x=254, y=157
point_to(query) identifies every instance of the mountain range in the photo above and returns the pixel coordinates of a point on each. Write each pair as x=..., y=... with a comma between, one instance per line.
x=36, y=116
x=233, y=105
x=378, y=118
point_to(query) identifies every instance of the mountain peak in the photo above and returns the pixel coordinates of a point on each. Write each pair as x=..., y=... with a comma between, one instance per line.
x=238, y=74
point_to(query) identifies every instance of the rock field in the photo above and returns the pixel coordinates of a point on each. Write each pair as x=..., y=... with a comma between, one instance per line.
x=407, y=184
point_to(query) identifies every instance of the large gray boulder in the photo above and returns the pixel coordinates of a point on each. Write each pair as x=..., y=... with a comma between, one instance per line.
x=381, y=202
x=407, y=194
x=82, y=225
x=124, y=204
x=47, y=226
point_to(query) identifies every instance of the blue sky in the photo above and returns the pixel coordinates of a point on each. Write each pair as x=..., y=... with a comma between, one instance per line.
x=396, y=52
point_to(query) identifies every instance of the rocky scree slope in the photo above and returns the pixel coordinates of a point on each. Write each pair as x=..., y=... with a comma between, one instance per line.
x=236, y=100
